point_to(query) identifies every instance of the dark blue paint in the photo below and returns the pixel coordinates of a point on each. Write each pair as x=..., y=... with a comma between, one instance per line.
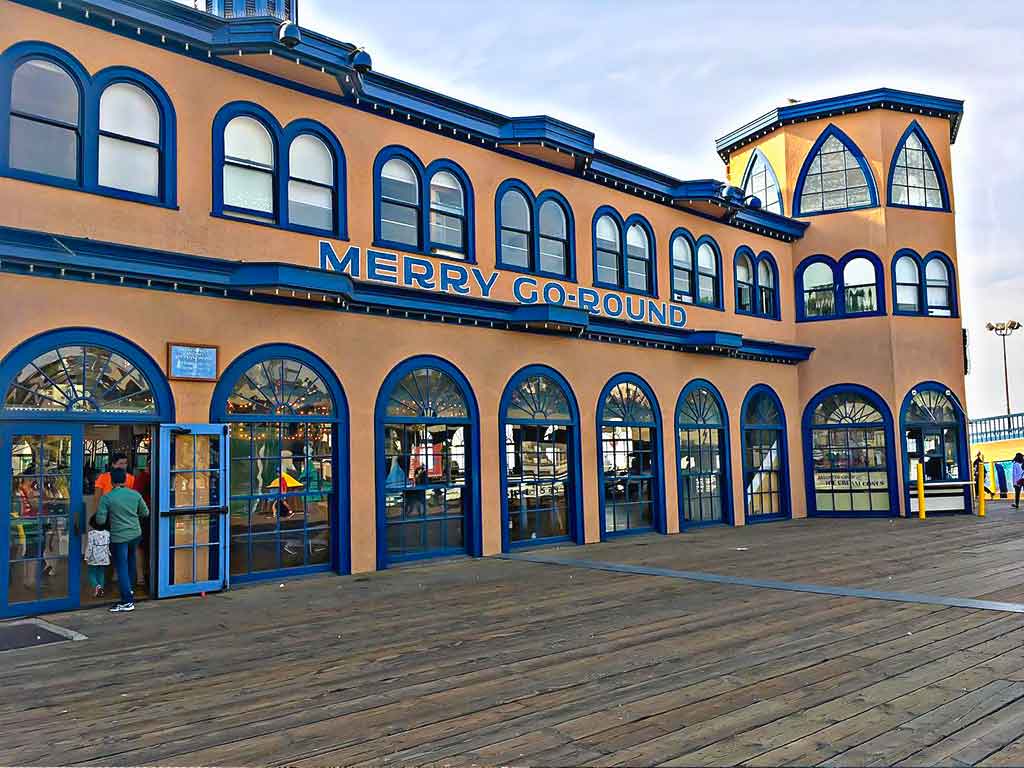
x=624, y=225
x=728, y=516
x=534, y=202
x=915, y=128
x=784, y=494
x=771, y=172
x=839, y=286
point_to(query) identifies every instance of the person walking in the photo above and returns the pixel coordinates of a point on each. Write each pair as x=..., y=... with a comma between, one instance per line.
x=121, y=510
x=1018, y=478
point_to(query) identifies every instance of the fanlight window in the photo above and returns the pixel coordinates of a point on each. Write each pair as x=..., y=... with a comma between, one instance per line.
x=914, y=180
x=846, y=408
x=538, y=398
x=81, y=379
x=762, y=411
x=280, y=387
x=427, y=393
x=931, y=407
x=700, y=407
x=834, y=181
x=627, y=403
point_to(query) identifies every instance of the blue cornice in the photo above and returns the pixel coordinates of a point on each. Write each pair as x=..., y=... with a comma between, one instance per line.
x=42, y=254
x=879, y=98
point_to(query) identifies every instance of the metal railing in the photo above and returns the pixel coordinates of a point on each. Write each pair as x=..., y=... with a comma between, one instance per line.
x=993, y=428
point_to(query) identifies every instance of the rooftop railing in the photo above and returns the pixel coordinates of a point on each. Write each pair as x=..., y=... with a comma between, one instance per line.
x=993, y=428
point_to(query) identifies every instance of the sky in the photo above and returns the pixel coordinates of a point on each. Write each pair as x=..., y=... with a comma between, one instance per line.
x=658, y=81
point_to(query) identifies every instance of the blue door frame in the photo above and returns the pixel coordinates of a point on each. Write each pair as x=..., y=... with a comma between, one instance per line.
x=75, y=524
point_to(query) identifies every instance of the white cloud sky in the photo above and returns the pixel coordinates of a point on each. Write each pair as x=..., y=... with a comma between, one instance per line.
x=658, y=81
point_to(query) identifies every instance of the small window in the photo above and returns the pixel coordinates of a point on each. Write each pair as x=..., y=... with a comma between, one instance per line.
x=761, y=182
x=45, y=123
x=860, y=286
x=819, y=290
x=607, y=247
x=129, y=142
x=399, y=203
x=554, y=239
x=744, y=284
x=249, y=168
x=707, y=275
x=310, y=183
x=447, y=215
x=682, y=269
x=638, y=259
x=766, y=288
x=938, y=289
x=516, y=230
x=834, y=180
x=914, y=178
x=908, y=285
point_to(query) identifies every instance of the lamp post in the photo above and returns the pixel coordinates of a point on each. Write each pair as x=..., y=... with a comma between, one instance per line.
x=1002, y=330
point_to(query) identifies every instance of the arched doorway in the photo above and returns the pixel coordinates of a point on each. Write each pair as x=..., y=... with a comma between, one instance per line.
x=765, y=456
x=540, y=460
x=848, y=454
x=287, y=427
x=702, y=439
x=427, y=459
x=933, y=431
x=629, y=458
x=72, y=399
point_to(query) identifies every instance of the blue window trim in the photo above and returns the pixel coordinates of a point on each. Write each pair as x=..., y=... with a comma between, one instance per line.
x=833, y=130
x=570, y=234
x=915, y=128
x=340, y=516
x=776, y=313
x=963, y=450
x=771, y=171
x=423, y=176
x=954, y=304
x=921, y=309
x=839, y=286
x=785, y=496
x=745, y=250
x=807, y=430
x=577, y=534
x=90, y=89
x=30, y=349
x=719, y=282
x=281, y=137
x=624, y=225
x=658, y=463
x=471, y=511
x=728, y=515
x=688, y=298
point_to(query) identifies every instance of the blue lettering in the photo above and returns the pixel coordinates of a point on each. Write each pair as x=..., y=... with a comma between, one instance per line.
x=557, y=290
x=424, y=279
x=656, y=312
x=329, y=260
x=454, y=278
x=589, y=300
x=676, y=316
x=382, y=266
x=517, y=290
x=608, y=299
x=485, y=285
x=639, y=314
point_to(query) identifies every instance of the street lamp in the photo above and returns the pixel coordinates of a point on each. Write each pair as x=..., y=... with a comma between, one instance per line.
x=1002, y=330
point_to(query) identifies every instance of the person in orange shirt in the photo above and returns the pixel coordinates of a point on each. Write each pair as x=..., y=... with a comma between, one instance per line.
x=103, y=484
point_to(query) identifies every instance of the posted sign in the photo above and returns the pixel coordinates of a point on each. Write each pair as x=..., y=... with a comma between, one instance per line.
x=192, y=362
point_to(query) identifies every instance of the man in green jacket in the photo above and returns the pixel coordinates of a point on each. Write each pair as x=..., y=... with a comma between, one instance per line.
x=122, y=508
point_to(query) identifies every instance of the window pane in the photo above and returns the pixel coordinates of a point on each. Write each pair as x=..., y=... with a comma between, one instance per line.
x=248, y=188
x=817, y=276
x=636, y=274
x=682, y=254
x=398, y=182
x=906, y=298
x=743, y=269
x=446, y=230
x=552, y=256
x=607, y=232
x=636, y=242
x=129, y=166
x=936, y=272
x=906, y=270
x=607, y=267
x=310, y=205
x=706, y=258
x=706, y=290
x=859, y=271
x=128, y=110
x=446, y=194
x=552, y=220
x=43, y=148
x=515, y=212
x=399, y=223
x=44, y=89
x=247, y=140
x=515, y=248
x=765, y=276
x=310, y=159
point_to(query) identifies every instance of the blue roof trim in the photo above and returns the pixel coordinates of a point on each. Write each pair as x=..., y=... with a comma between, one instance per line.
x=882, y=98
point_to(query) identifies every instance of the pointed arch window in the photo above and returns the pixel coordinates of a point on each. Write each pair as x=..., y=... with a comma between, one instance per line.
x=761, y=182
x=835, y=177
x=915, y=179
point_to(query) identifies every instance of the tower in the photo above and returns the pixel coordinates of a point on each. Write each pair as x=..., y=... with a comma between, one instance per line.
x=286, y=10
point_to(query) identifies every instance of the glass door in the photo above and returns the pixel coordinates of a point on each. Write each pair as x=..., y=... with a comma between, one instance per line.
x=193, y=509
x=42, y=481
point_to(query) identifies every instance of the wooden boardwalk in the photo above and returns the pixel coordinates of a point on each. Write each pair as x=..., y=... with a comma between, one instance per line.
x=488, y=662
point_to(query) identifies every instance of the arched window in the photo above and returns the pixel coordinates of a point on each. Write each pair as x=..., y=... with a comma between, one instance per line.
x=249, y=168
x=702, y=436
x=607, y=247
x=399, y=203
x=424, y=465
x=708, y=294
x=682, y=267
x=860, y=286
x=638, y=259
x=516, y=230
x=45, y=120
x=819, y=290
x=835, y=177
x=761, y=182
x=937, y=288
x=907, y=275
x=768, y=305
x=447, y=215
x=933, y=432
x=281, y=408
x=129, y=140
x=765, y=481
x=744, y=283
x=540, y=461
x=849, y=451
x=553, y=239
x=311, y=183
x=629, y=458
x=915, y=179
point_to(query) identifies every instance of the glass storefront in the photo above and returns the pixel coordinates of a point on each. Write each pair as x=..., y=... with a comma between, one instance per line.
x=932, y=431
x=629, y=464
x=700, y=430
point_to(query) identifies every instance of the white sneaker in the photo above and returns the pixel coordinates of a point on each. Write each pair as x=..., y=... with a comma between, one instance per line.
x=122, y=608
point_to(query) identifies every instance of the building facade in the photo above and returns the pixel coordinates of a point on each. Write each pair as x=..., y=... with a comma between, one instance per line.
x=339, y=322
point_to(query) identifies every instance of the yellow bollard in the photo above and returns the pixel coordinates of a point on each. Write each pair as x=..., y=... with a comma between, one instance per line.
x=920, y=491
x=981, y=489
